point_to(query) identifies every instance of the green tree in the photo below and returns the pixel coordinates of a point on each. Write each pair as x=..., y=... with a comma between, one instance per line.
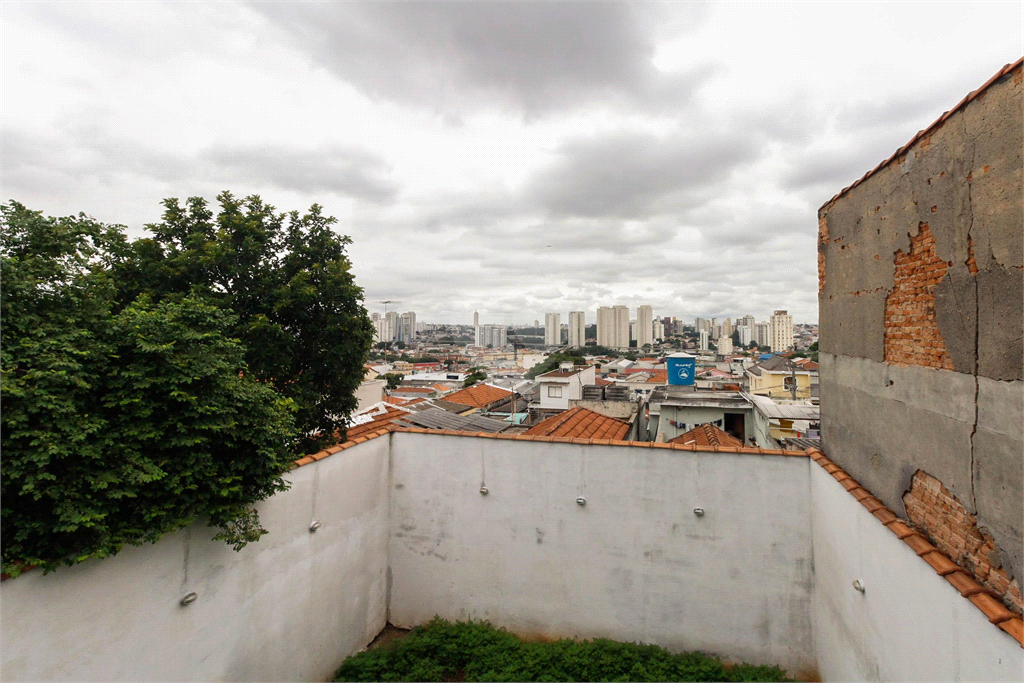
x=121, y=422
x=288, y=282
x=736, y=339
x=476, y=374
x=393, y=379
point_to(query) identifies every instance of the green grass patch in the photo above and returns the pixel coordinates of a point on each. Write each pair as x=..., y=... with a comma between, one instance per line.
x=476, y=651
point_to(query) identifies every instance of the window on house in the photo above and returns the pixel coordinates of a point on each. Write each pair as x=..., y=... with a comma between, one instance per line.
x=787, y=383
x=555, y=392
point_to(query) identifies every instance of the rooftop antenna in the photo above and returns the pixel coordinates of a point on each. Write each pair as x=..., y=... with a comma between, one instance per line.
x=388, y=342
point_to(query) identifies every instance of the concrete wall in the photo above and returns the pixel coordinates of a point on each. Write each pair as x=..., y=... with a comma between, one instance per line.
x=764, y=575
x=921, y=289
x=634, y=563
x=290, y=607
x=909, y=624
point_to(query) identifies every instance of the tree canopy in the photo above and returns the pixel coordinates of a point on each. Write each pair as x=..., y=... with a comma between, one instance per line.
x=149, y=384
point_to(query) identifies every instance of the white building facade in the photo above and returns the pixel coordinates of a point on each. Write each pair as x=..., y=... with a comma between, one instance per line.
x=552, y=329
x=613, y=327
x=781, y=331
x=577, y=329
x=644, y=326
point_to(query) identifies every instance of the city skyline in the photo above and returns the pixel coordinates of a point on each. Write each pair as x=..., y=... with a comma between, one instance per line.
x=669, y=155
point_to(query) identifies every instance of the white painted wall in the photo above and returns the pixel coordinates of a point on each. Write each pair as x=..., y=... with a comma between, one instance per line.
x=404, y=524
x=909, y=624
x=634, y=563
x=289, y=607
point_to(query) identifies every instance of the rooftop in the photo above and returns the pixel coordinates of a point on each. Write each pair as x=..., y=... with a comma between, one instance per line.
x=583, y=423
x=707, y=435
x=478, y=395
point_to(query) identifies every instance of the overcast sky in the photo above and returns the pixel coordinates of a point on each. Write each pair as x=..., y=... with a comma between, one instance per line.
x=514, y=159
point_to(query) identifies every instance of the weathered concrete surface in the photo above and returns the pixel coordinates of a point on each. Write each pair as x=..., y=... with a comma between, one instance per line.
x=909, y=624
x=965, y=180
x=882, y=423
x=1000, y=293
x=999, y=467
x=634, y=563
x=956, y=312
x=851, y=329
x=290, y=607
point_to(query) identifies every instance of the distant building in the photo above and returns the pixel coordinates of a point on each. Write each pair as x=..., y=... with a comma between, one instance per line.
x=746, y=335
x=658, y=330
x=577, y=329
x=552, y=329
x=406, y=327
x=725, y=345
x=727, y=328
x=781, y=331
x=494, y=336
x=613, y=327
x=704, y=340
x=644, y=326
x=764, y=334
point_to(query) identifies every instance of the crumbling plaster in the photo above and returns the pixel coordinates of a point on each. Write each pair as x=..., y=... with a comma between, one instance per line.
x=965, y=180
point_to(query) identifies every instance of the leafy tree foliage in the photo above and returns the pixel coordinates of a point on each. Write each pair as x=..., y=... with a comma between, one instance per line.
x=123, y=418
x=476, y=374
x=393, y=380
x=288, y=283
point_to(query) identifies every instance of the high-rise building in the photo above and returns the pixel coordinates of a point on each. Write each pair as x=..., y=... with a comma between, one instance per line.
x=725, y=345
x=390, y=328
x=727, y=328
x=476, y=318
x=764, y=334
x=552, y=329
x=494, y=336
x=406, y=328
x=702, y=324
x=613, y=327
x=746, y=335
x=716, y=329
x=577, y=329
x=781, y=331
x=658, y=330
x=748, y=320
x=644, y=326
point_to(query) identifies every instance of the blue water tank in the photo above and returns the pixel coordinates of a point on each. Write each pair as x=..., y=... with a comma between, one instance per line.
x=681, y=369
x=765, y=356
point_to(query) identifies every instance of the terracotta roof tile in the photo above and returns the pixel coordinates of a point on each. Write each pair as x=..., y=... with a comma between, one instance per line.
x=967, y=585
x=1015, y=627
x=478, y=395
x=940, y=563
x=707, y=435
x=993, y=609
x=580, y=422
x=979, y=595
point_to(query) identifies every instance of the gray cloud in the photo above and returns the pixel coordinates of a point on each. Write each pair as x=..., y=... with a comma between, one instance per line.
x=530, y=57
x=638, y=175
x=339, y=170
x=92, y=153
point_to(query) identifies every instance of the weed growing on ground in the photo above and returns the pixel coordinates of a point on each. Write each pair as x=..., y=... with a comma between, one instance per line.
x=476, y=651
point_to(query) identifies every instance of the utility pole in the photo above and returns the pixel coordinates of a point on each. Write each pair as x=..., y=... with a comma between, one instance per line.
x=792, y=374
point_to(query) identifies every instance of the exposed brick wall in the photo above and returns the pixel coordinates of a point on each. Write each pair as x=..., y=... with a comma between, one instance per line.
x=935, y=511
x=912, y=336
x=822, y=240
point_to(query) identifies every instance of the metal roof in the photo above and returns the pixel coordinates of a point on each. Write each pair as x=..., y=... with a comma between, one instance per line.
x=784, y=411
x=435, y=418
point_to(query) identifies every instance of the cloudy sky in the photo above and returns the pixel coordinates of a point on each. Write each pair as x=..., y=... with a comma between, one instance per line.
x=509, y=158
